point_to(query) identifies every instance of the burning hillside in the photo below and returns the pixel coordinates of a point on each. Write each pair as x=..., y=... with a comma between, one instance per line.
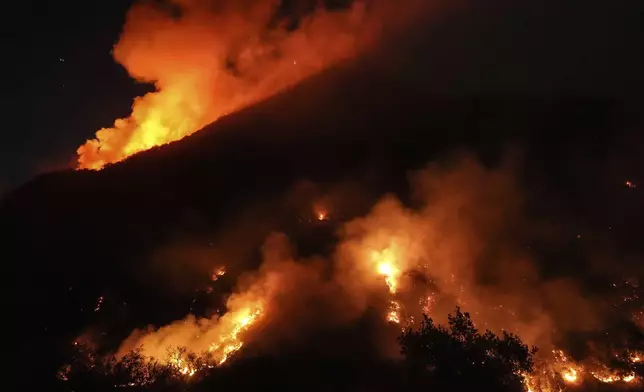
x=210, y=58
x=459, y=247
x=208, y=264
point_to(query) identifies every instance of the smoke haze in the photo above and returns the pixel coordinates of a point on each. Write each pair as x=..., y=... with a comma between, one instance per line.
x=461, y=244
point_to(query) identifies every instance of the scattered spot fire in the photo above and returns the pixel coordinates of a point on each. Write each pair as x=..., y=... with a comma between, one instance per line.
x=568, y=372
x=98, y=304
x=218, y=273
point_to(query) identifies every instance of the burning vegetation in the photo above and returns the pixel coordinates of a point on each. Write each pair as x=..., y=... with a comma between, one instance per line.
x=458, y=247
x=463, y=241
x=210, y=58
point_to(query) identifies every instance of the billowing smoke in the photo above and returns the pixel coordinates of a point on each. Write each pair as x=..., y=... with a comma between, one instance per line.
x=461, y=244
x=464, y=245
x=264, y=297
x=208, y=58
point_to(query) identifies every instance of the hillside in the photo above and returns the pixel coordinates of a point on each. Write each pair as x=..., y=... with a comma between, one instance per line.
x=89, y=233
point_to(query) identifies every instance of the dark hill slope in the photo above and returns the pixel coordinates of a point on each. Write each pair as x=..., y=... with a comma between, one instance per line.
x=88, y=233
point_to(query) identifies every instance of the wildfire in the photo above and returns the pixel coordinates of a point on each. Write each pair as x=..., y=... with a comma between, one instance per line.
x=320, y=211
x=230, y=343
x=385, y=266
x=376, y=252
x=570, y=372
x=608, y=378
x=218, y=339
x=158, y=118
x=206, y=64
x=184, y=368
x=218, y=273
x=394, y=312
x=570, y=375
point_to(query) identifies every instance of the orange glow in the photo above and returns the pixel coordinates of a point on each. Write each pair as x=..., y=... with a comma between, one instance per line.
x=609, y=378
x=424, y=259
x=176, y=361
x=570, y=375
x=220, y=337
x=218, y=273
x=230, y=343
x=385, y=266
x=320, y=211
x=394, y=312
x=629, y=378
x=209, y=63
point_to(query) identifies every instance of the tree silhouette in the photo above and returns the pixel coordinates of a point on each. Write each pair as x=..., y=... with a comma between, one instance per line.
x=461, y=358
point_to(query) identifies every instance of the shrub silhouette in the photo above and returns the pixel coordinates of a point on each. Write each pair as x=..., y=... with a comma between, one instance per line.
x=459, y=357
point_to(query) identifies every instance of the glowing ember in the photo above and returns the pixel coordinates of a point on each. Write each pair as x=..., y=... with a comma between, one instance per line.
x=320, y=211
x=629, y=378
x=218, y=273
x=630, y=184
x=394, y=312
x=98, y=304
x=427, y=304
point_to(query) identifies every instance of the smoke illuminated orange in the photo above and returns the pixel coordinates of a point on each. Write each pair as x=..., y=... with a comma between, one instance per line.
x=219, y=337
x=212, y=61
x=420, y=261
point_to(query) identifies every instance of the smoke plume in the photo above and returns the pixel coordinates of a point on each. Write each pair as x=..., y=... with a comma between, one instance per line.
x=460, y=245
x=208, y=58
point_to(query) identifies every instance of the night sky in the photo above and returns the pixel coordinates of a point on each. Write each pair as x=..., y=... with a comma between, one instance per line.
x=589, y=48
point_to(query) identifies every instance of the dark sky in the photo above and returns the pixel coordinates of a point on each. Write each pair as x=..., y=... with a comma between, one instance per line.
x=591, y=48
x=75, y=86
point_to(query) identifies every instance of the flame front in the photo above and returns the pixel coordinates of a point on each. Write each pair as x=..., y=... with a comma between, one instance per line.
x=209, y=62
x=572, y=373
x=230, y=343
x=218, y=338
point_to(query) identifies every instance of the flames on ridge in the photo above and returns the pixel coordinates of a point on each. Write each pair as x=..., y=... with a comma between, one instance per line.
x=207, y=61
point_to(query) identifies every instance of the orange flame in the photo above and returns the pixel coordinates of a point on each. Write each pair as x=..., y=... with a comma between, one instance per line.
x=206, y=64
x=230, y=343
x=218, y=273
x=385, y=266
x=220, y=338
